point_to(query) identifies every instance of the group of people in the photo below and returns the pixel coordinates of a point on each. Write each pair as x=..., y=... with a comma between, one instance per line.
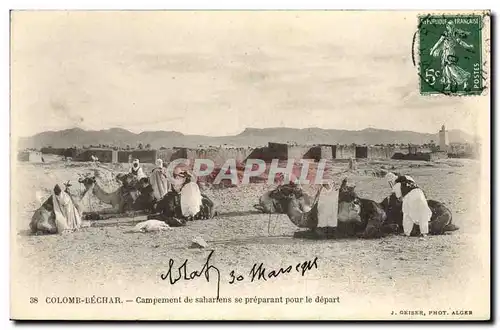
x=191, y=197
x=61, y=212
x=414, y=204
x=66, y=214
x=157, y=179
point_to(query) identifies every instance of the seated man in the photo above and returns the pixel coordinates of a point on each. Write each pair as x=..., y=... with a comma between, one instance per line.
x=59, y=213
x=146, y=200
x=190, y=196
x=67, y=215
x=137, y=170
x=185, y=200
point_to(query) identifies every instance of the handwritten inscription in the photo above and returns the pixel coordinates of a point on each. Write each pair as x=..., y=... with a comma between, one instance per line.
x=182, y=272
x=258, y=272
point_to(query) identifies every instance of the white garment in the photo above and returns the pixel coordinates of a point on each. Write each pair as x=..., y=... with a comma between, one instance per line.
x=397, y=190
x=151, y=225
x=391, y=177
x=190, y=199
x=328, y=204
x=416, y=211
x=140, y=173
x=66, y=214
x=159, y=182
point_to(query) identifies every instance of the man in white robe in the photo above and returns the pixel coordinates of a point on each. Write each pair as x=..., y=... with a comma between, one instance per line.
x=67, y=216
x=191, y=199
x=136, y=170
x=158, y=180
x=415, y=207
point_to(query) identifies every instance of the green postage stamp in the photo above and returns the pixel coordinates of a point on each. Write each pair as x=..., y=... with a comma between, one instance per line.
x=451, y=54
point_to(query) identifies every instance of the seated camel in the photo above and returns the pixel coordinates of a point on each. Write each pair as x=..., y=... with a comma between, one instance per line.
x=380, y=219
x=43, y=220
x=441, y=219
x=302, y=210
x=132, y=195
x=372, y=216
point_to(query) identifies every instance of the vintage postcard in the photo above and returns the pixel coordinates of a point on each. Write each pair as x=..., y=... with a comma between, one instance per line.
x=250, y=165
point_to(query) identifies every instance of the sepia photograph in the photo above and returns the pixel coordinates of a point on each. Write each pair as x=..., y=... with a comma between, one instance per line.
x=250, y=165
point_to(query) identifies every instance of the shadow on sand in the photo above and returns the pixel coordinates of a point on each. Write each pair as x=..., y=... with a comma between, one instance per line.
x=277, y=239
x=238, y=213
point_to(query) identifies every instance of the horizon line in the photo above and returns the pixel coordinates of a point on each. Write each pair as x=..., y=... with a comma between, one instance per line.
x=257, y=128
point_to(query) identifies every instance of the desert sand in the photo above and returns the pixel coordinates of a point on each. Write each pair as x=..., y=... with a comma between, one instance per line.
x=447, y=272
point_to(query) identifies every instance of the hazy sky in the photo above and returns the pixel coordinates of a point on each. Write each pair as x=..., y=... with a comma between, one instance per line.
x=216, y=73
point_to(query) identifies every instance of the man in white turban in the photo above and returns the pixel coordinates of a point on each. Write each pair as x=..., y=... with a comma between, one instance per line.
x=415, y=207
x=158, y=180
x=391, y=178
x=136, y=169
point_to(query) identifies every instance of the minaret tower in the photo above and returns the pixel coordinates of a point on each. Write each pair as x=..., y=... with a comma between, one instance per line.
x=443, y=139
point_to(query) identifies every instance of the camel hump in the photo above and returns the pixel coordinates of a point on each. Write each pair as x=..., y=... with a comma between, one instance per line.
x=438, y=206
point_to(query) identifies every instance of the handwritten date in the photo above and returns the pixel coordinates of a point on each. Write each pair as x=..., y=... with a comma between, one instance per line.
x=258, y=272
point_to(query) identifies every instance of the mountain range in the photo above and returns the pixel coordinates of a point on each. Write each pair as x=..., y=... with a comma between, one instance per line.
x=249, y=137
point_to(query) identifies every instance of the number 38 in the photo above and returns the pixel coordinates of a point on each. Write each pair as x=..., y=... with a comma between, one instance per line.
x=431, y=76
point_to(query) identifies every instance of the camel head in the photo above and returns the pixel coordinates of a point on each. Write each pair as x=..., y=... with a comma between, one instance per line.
x=88, y=182
x=67, y=186
x=282, y=195
x=293, y=201
x=127, y=180
x=121, y=178
x=349, y=203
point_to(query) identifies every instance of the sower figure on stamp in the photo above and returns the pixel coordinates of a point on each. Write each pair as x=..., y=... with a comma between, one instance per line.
x=453, y=75
x=415, y=207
